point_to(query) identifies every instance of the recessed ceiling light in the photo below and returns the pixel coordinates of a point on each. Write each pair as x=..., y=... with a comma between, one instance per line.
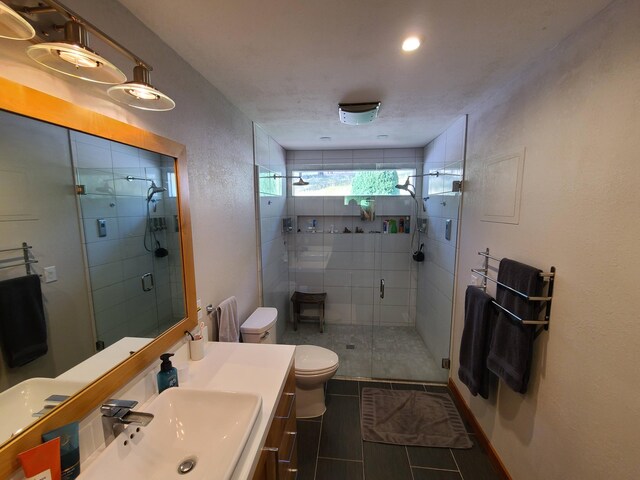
x=410, y=44
x=325, y=139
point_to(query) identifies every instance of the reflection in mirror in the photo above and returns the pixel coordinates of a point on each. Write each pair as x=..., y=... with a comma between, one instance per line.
x=102, y=222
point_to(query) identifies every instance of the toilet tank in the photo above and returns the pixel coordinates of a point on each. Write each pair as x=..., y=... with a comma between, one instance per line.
x=260, y=327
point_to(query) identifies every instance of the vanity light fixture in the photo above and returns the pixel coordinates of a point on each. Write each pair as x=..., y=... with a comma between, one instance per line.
x=13, y=26
x=74, y=57
x=65, y=48
x=139, y=93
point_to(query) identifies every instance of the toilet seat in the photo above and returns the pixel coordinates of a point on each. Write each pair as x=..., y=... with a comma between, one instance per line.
x=314, y=360
x=316, y=373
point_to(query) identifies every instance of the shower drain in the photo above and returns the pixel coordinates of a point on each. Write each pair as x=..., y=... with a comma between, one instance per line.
x=351, y=346
x=186, y=466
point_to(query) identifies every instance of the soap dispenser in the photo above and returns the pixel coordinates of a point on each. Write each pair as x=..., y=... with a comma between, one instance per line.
x=168, y=374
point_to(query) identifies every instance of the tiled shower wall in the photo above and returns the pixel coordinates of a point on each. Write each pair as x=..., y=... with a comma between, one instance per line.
x=445, y=154
x=118, y=260
x=270, y=160
x=349, y=266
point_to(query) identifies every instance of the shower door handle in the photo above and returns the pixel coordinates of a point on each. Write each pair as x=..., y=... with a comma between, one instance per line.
x=144, y=282
x=382, y=288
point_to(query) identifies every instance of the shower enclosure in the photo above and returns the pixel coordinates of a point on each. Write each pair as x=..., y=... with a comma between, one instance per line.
x=128, y=205
x=352, y=233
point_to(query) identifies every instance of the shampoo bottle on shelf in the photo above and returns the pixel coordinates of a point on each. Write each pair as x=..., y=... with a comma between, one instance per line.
x=168, y=374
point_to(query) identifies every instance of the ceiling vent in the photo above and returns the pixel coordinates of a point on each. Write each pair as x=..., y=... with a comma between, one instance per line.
x=358, y=113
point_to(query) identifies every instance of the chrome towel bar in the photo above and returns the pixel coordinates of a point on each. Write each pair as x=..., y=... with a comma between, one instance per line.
x=549, y=280
x=26, y=261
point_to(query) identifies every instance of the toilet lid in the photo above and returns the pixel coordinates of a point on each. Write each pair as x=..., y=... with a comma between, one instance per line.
x=310, y=358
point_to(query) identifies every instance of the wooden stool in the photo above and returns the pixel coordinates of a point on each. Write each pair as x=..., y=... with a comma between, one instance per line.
x=298, y=298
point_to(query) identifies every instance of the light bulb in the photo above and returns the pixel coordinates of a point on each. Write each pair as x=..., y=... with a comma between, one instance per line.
x=410, y=44
x=142, y=93
x=78, y=59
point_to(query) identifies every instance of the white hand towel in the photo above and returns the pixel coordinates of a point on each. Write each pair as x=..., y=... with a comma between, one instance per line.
x=228, y=321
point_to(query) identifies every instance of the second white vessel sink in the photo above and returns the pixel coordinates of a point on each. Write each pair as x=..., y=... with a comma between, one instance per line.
x=21, y=402
x=195, y=434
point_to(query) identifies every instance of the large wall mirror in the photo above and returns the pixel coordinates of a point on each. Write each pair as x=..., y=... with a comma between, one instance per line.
x=95, y=246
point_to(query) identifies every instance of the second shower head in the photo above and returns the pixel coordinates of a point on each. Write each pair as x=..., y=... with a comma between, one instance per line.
x=153, y=189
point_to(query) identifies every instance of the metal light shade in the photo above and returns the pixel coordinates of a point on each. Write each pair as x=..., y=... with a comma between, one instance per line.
x=140, y=93
x=13, y=26
x=74, y=58
x=300, y=183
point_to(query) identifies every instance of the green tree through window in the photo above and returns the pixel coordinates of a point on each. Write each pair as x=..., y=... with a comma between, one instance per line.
x=374, y=182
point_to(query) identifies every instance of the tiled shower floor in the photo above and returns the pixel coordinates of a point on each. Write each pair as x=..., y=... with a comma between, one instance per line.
x=378, y=352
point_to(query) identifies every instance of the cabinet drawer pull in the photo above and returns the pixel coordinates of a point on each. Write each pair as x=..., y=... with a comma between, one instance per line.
x=273, y=472
x=291, y=444
x=291, y=397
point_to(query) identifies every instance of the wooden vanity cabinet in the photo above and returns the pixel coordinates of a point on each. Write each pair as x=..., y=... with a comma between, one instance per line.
x=279, y=457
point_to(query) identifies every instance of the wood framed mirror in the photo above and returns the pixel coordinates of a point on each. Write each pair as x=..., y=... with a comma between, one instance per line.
x=24, y=101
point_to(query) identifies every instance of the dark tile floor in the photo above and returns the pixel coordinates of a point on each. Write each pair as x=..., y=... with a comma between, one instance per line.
x=331, y=446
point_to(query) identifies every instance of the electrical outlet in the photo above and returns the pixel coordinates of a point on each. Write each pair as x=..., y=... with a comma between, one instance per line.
x=199, y=305
x=50, y=274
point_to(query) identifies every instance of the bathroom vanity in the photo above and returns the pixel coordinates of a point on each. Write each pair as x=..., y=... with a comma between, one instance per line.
x=228, y=369
x=279, y=456
x=267, y=370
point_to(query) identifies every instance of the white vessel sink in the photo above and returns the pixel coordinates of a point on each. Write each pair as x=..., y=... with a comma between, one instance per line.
x=209, y=428
x=28, y=397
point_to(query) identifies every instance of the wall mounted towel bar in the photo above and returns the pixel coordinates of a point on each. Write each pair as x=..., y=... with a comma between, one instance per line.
x=26, y=261
x=549, y=278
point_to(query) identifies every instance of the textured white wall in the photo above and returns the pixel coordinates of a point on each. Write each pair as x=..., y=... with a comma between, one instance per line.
x=577, y=112
x=217, y=135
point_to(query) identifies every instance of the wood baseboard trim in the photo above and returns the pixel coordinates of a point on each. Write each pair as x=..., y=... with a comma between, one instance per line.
x=480, y=435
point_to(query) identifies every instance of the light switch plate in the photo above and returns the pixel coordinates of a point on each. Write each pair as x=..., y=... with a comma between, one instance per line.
x=50, y=274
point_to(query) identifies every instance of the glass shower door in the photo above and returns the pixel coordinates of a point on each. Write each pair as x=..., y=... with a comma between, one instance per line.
x=131, y=239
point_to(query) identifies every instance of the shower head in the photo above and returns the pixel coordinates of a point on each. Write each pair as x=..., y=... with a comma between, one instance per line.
x=406, y=187
x=153, y=189
x=299, y=183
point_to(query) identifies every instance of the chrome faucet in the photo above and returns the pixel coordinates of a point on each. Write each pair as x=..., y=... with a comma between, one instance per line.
x=117, y=414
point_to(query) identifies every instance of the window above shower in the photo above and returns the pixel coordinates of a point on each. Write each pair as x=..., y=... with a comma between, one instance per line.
x=351, y=182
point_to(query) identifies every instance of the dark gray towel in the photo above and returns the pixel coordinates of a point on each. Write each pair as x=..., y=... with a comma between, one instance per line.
x=511, y=348
x=479, y=318
x=23, y=331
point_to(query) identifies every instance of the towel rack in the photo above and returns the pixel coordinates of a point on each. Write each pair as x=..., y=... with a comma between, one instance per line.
x=549, y=278
x=26, y=261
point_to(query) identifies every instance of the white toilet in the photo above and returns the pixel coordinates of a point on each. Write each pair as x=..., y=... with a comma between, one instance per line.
x=314, y=365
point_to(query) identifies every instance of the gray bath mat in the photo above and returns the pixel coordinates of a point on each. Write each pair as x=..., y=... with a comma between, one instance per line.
x=407, y=417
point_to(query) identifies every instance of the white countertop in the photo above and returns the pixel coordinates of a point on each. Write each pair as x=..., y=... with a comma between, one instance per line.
x=104, y=360
x=244, y=367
